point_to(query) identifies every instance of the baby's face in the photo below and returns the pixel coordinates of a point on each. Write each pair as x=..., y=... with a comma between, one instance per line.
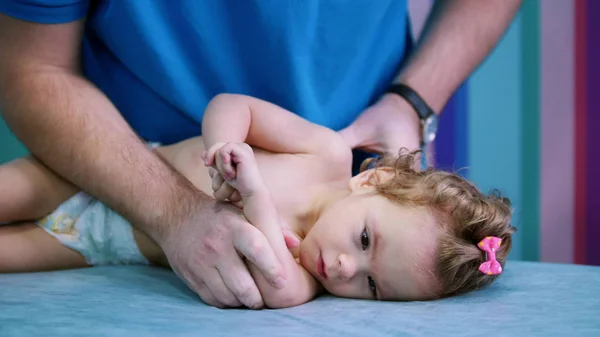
x=366, y=246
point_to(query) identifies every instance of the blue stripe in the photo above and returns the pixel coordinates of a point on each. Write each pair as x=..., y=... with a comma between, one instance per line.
x=495, y=112
x=445, y=144
x=451, y=146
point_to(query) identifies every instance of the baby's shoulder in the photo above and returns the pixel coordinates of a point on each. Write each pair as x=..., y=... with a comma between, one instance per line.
x=335, y=152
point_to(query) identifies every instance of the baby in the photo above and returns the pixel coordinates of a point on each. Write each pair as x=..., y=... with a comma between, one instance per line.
x=392, y=232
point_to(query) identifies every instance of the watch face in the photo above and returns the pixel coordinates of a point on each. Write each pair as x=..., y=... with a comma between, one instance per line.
x=430, y=129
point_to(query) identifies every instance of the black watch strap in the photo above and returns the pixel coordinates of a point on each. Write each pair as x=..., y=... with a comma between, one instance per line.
x=413, y=98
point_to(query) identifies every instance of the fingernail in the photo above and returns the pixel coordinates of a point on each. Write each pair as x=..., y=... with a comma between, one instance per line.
x=279, y=282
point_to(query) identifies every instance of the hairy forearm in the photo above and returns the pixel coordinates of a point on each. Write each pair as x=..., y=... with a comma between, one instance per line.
x=261, y=212
x=74, y=129
x=457, y=37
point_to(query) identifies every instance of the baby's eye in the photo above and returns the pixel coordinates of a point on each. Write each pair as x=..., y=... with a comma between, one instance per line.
x=364, y=239
x=372, y=286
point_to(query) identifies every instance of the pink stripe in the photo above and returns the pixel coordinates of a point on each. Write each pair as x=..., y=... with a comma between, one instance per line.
x=557, y=115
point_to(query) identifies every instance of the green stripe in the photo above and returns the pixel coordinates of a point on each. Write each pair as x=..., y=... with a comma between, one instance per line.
x=530, y=129
x=10, y=147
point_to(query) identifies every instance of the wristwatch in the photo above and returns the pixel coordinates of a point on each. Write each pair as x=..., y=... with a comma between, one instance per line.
x=429, y=119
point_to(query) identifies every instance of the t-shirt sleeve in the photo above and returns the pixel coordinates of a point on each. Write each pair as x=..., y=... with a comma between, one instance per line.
x=45, y=11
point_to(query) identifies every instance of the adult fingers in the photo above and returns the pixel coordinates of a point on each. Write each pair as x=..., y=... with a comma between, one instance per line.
x=217, y=288
x=251, y=243
x=235, y=196
x=198, y=287
x=238, y=280
x=208, y=297
x=217, y=182
x=238, y=204
x=224, y=192
x=212, y=171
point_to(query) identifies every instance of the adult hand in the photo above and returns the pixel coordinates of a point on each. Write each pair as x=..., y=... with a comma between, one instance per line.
x=206, y=250
x=385, y=128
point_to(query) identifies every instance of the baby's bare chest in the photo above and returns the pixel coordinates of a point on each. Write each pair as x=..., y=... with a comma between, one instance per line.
x=289, y=177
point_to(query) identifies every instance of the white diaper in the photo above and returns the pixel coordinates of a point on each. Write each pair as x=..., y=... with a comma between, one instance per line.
x=87, y=226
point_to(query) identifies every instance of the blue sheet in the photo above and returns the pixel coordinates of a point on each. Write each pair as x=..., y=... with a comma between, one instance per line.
x=531, y=299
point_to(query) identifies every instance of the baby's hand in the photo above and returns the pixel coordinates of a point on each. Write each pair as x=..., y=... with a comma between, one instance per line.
x=236, y=165
x=222, y=191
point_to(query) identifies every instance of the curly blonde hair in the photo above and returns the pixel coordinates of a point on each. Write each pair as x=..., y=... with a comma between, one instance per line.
x=465, y=215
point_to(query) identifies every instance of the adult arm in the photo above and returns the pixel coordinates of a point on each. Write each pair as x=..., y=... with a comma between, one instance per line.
x=457, y=37
x=74, y=129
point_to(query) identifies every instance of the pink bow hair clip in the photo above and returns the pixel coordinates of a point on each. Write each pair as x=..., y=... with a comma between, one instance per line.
x=490, y=245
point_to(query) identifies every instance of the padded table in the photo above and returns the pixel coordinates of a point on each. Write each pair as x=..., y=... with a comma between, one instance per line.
x=530, y=299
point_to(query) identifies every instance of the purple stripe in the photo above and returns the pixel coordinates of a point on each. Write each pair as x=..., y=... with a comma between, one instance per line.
x=593, y=133
x=451, y=144
x=461, y=147
x=557, y=118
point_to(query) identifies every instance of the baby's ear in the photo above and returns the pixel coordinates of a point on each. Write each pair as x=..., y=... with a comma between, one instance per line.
x=361, y=180
x=369, y=178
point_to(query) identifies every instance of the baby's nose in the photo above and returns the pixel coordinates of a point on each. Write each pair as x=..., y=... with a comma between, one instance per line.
x=346, y=267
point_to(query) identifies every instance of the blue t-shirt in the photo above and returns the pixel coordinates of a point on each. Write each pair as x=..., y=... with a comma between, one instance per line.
x=160, y=62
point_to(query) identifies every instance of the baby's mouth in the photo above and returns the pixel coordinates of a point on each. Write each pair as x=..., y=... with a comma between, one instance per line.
x=321, y=268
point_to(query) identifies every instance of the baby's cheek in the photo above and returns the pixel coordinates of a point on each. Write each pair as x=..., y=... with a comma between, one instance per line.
x=342, y=290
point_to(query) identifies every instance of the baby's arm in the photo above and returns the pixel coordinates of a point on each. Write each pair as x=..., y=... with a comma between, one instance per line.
x=260, y=211
x=243, y=119
x=236, y=163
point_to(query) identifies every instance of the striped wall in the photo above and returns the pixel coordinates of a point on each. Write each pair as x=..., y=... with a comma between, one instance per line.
x=526, y=122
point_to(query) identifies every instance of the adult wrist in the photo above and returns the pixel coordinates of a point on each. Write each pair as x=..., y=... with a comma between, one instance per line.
x=427, y=84
x=181, y=204
x=427, y=117
x=400, y=106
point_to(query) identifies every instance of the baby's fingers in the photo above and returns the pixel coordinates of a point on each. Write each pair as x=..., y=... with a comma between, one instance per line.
x=225, y=164
x=242, y=153
x=209, y=155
